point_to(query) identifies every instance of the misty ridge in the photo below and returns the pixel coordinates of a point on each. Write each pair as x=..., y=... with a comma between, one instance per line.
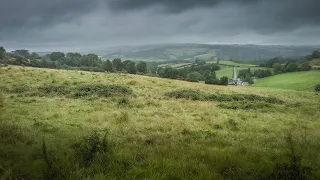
x=192, y=51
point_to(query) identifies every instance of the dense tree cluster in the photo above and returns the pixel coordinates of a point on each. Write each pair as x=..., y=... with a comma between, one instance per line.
x=281, y=65
x=314, y=55
x=246, y=75
x=199, y=71
x=76, y=61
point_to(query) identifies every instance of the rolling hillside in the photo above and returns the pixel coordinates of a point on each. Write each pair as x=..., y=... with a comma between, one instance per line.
x=206, y=52
x=65, y=124
x=302, y=81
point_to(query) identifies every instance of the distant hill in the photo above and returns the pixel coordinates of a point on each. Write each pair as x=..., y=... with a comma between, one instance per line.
x=208, y=52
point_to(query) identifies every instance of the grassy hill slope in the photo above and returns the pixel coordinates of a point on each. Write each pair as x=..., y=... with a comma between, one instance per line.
x=302, y=81
x=59, y=124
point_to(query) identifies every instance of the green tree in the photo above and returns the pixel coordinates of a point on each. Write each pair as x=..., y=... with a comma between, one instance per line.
x=277, y=68
x=200, y=62
x=271, y=62
x=21, y=52
x=292, y=67
x=107, y=66
x=117, y=64
x=260, y=73
x=224, y=80
x=2, y=53
x=91, y=60
x=212, y=78
x=57, y=56
x=244, y=73
x=142, y=67
x=73, y=59
x=34, y=55
x=213, y=74
x=194, y=77
x=131, y=67
x=315, y=55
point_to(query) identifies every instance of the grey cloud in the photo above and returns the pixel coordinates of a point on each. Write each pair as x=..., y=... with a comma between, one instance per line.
x=98, y=24
x=19, y=13
x=278, y=12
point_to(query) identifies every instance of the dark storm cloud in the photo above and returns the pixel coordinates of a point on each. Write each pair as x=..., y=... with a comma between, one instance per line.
x=275, y=13
x=18, y=13
x=173, y=6
x=92, y=24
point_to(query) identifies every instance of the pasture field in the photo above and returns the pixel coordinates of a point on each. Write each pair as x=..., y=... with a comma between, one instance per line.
x=228, y=71
x=60, y=124
x=301, y=81
x=231, y=63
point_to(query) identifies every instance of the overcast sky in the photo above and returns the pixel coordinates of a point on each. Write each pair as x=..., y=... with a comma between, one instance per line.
x=95, y=25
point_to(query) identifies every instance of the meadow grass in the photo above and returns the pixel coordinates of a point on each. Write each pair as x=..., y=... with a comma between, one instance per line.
x=154, y=132
x=301, y=81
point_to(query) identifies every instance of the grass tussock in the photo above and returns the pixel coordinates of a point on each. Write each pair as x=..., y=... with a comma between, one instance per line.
x=81, y=91
x=228, y=101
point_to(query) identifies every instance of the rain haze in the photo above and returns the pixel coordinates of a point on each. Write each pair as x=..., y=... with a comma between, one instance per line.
x=81, y=25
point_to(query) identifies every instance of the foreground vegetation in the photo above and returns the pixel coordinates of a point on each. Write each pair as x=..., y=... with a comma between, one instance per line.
x=63, y=124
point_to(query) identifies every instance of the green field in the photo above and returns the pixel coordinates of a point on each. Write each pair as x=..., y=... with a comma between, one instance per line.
x=302, y=81
x=64, y=124
x=231, y=63
x=228, y=71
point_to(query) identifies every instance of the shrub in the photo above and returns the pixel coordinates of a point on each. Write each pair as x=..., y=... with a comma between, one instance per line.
x=20, y=89
x=123, y=101
x=293, y=168
x=1, y=100
x=224, y=81
x=237, y=101
x=88, y=147
x=102, y=90
x=186, y=94
x=211, y=80
x=194, y=77
x=53, y=90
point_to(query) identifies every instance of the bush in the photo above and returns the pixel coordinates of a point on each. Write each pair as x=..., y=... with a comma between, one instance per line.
x=1, y=100
x=102, y=90
x=198, y=95
x=224, y=81
x=186, y=94
x=53, y=90
x=194, y=77
x=87, y=149
x=212, y=80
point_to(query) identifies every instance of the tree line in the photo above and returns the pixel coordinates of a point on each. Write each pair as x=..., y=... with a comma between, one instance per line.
x=75, y=61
